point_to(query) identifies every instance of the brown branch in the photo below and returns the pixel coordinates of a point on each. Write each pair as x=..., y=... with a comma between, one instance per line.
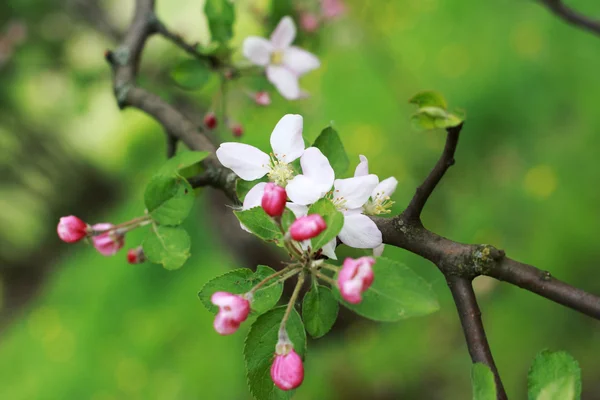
x=415, y=208
x=470, y=319
x=572, y=17
x=192, y=50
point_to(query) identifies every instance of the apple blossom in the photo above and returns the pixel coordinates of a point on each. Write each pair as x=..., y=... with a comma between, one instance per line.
x=355, y=277
x=287, y=370
x=71, y=229
x=273, y=199
x=379, y=201
x=107, y=243
x=307, y=227
x=250, y=163
x=283, y=62
x=233, y=310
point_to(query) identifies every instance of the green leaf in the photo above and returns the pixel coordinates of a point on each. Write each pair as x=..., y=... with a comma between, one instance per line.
x=169, y=199
x=169, y=246
x=319, y=311
x=190, y=74
x=240, y=281
x=397, y=293
x=331, y=146
x=242, y=187
x=221, y=16
x=333, y=218
x=259, y=349
x=554, y=376
x=434, y=117
x=182, y=161
x=482, y=379
x=429, y=98
x=259, y=223
x=287, y=219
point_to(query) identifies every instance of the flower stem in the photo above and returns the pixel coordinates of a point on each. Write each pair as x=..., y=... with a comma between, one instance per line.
x=282, y=279
x=330, y=267
x=275, y=275
x=325, y=278
x=291, y=303
x=126, y=226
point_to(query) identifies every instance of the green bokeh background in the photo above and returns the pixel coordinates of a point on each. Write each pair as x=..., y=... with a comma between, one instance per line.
x=76, y=325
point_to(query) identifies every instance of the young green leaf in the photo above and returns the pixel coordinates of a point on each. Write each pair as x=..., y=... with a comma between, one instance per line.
x=240, y=281
x=169, y=246
x=169, y=199
x=482, y=379
x=397, y=293
x=333, y=218
x=259, y=349
x=221, y=16
x=287, y=219
x=182, y=161
x=429, y=98
x=190, y=74
x=259, y=223
x=554, y=376
x=242, y=187
x=319, y=311
x=331, y=146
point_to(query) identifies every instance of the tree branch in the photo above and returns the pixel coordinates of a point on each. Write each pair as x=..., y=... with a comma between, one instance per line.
x=572, y=17
x=470, y=318
x=415, y=208
x=177, y=40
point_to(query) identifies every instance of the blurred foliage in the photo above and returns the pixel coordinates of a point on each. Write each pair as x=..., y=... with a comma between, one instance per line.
x=525, y=180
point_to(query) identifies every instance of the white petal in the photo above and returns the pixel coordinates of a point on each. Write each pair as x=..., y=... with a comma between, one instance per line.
x=248, y=162
x=286, y=139
x=302, y=190
x=258, y=50
x=362, y=168
x=355, y=191
x=300, y=61
x=284, y=34
x=316, y=166
x=378, y=251
x=385, y=188
x=360, y=232
x=329, y=249
x=254, y=196
x=285, y=81
x=297, y=209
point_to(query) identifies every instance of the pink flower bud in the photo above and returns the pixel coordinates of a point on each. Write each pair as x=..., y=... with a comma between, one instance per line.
x=355, y=277
x=273, y=200
x=307, y=227
x=107, y=243
x=309, y=22
x=136, y=256
x=287, y=370
x=71, y=229
x=237, y=130
x=233, y=310
x=262, y=98
x=210, y=120
x=332, y=8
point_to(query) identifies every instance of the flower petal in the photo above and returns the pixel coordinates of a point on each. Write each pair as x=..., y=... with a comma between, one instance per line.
x=378, y=251
x=316, y=166
x=300, y=61
x=355, y=191
x=254, y=196
x=286, y=139
x=258, y=50
x=248, y=162
x=285, y=81
x=362, y=168
x=284, y=34
x=329, y=249
x=360, y=232
x=303, y=191
x=297, y=209
x=385, y=188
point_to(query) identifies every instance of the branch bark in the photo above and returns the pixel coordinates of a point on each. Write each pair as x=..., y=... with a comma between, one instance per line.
x=470, y=319
x=573, y=17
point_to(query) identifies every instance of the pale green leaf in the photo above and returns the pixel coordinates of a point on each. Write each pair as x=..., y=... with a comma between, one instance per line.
x=260, y=223
x=331, y=146
x=169, y=246
x=319, y=310
x=482, y=379
x=169, y=199
x=554, y=376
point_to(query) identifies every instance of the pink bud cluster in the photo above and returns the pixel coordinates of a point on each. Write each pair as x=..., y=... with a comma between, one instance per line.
x=355, y=277
x=106, y=240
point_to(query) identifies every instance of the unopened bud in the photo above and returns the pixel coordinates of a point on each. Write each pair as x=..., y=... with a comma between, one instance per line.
x=233, y=310
x=287, y=370
x=237, y=130
x=210, y=120
x=307, y=227
x=262, y=98
x=309, y=22
x=72, y=229
x=136, y=255
x=355, y=277
x=273, y=200
x=107, y=243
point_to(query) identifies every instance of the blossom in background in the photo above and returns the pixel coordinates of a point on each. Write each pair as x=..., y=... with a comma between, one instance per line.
x=284, y=63
x=250, y=163
x=233, y=310
x=262, y=98
x=309, y=22
x=355, y=277
x=332, y=8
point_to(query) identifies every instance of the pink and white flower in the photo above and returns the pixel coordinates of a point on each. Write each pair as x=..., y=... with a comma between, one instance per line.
x=355, y=277
x=71, y=229
x=284, y=63
x=233, y=310
x=250, y=163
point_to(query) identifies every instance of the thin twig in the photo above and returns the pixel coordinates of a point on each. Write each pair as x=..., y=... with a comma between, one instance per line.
x=573, y=17
x=192, y=50
x=414, y=209
x=470, y=318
